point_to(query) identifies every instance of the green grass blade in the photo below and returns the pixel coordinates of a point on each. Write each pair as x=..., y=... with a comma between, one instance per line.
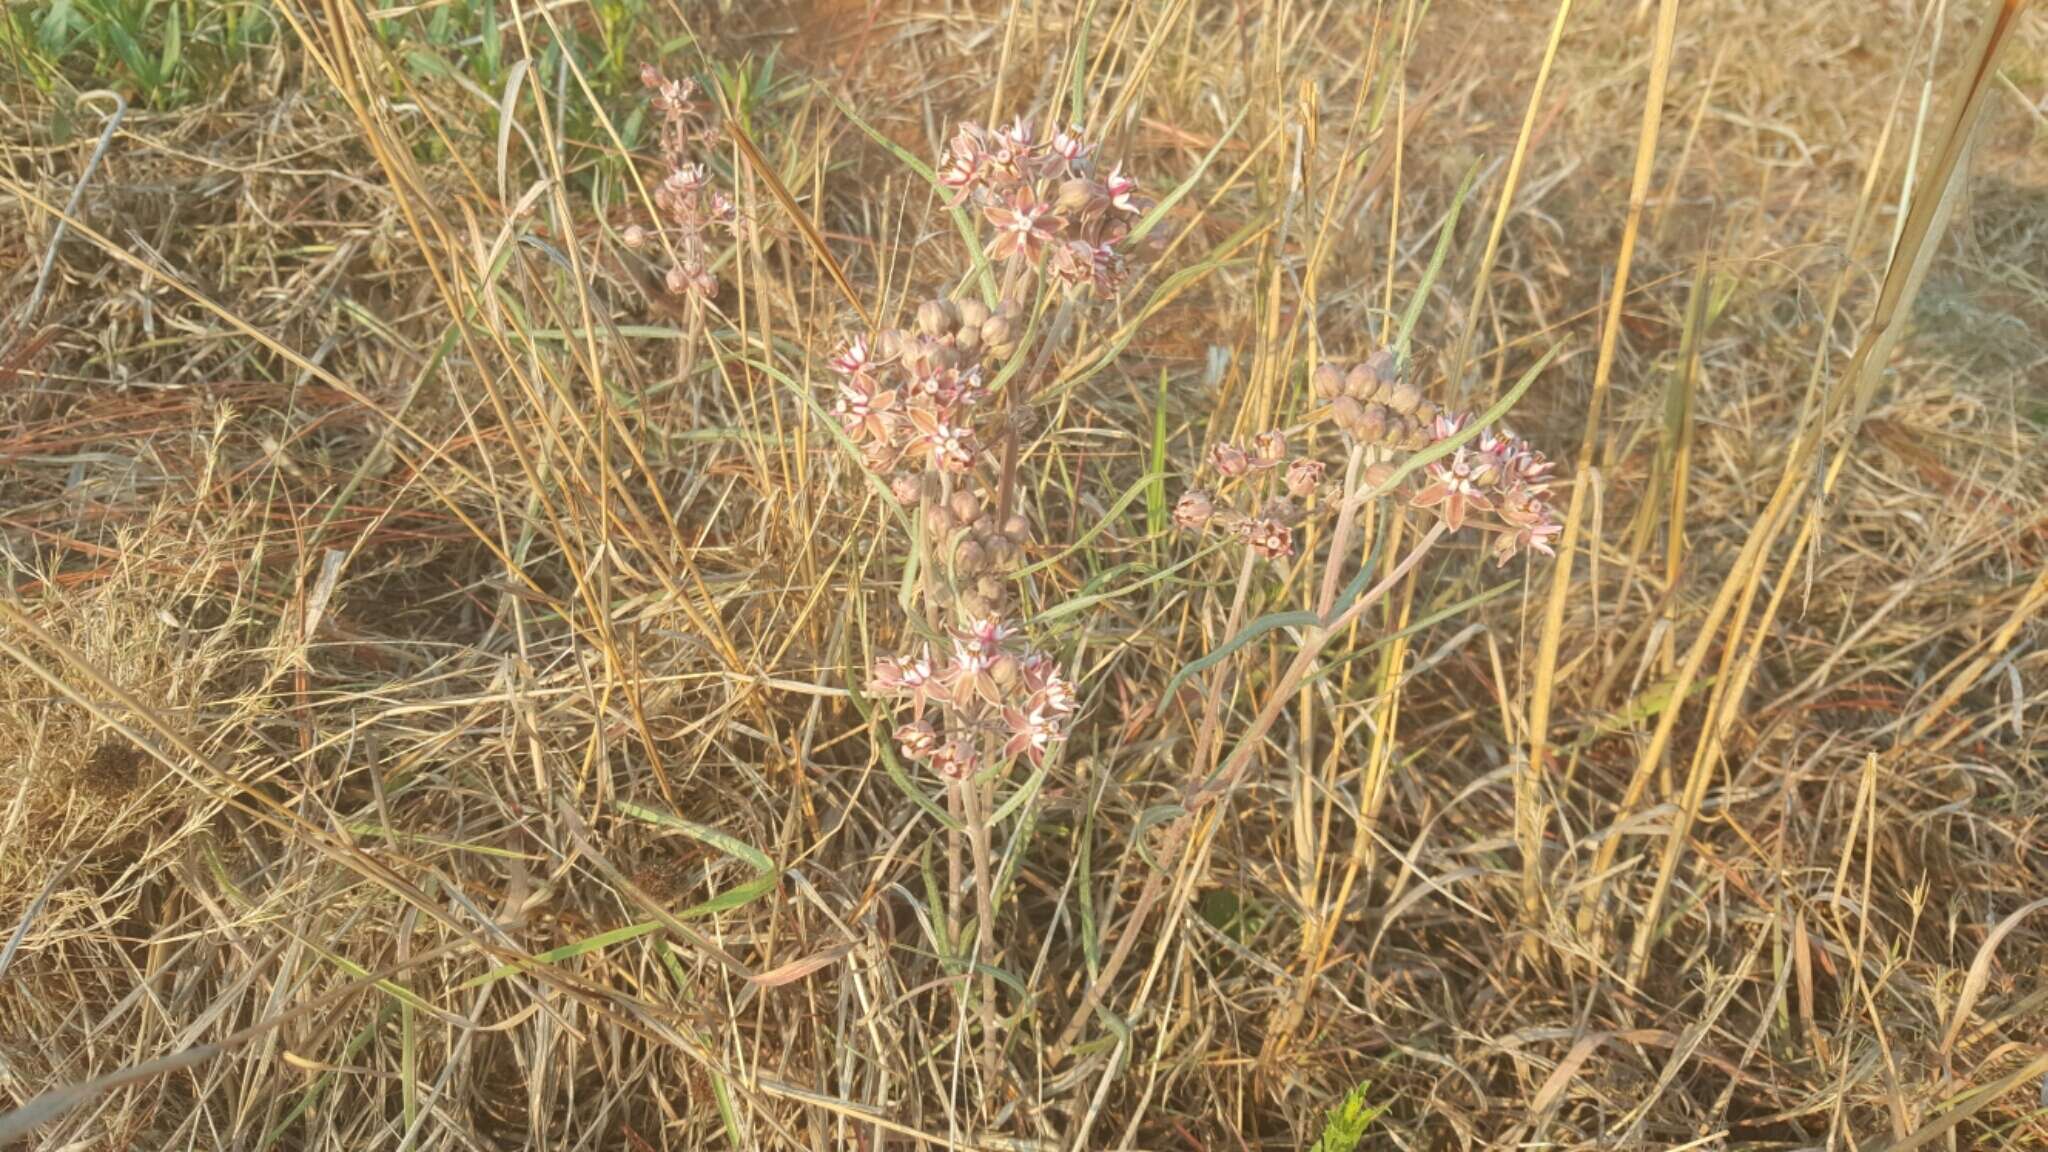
x=1436, y=265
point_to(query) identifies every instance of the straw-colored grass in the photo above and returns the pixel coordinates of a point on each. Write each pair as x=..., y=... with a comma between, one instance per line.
x=430, y=656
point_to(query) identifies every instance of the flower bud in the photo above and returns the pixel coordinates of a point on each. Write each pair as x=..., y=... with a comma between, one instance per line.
x=906, y=487
x=996, y=332
x=1378, y=474
x=1327, y=381
x=1230, y=460
x=635, y=236
x=1405, y=398
x=1017, y=528
x=936, y=318
x=1360, y=382
x=1347, y=412
x=1075, y=195
x=1194, y=509
x=970, y=559
x=1384, y=365
x=1303, y=477
x=939, y=522
x=973, y=313
x=966, y=508
x=1372, y=424
x=1269, y=447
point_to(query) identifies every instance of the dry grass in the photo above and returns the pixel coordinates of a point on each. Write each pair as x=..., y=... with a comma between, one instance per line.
x=425, y=655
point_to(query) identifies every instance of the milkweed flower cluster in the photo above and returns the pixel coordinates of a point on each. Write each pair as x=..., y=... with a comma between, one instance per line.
x=990, y=693
x=1504, y=477
x=1265, y=522
x=1495, y=481
x=1048, y=200
x=909, y=396
x=689, y=209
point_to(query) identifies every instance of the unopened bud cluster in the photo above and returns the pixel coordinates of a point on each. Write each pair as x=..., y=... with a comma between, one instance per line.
x=1372, y=402
x=1047, y=200
x=978, y=553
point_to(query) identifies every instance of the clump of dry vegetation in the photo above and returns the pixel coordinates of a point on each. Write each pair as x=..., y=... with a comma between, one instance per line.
x=854, y=574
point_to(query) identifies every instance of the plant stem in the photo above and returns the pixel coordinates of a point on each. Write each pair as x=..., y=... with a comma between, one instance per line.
x=977, y=808
x=1018, y=396
x=1201, y=793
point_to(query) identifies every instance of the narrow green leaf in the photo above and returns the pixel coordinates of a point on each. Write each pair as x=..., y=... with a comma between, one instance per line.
x=1115, y=513
x=174, y=43
x=711, y=837
x=1155, y=500
x=1436, y=265
x=961, y=220
x=1152, y=218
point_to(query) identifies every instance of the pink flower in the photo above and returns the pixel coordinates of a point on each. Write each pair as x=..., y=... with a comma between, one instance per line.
x=854, y=360
x=866, y=410
x=1270, y=538
x=1456, y=488
x=906, y=677
x=1121, y=189
x=1032, y=733
x=960, y=171
x=988, y=633
x=971, y=676
x=955, y=760
x=966, y=159
x=917, y=740
x=1269, y=449
x=1024, y=228
x=1534, y=538
x=951, y=445
x=1017, y=142
x=1047, y=689
x=1070, y=145
x=671, y=97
